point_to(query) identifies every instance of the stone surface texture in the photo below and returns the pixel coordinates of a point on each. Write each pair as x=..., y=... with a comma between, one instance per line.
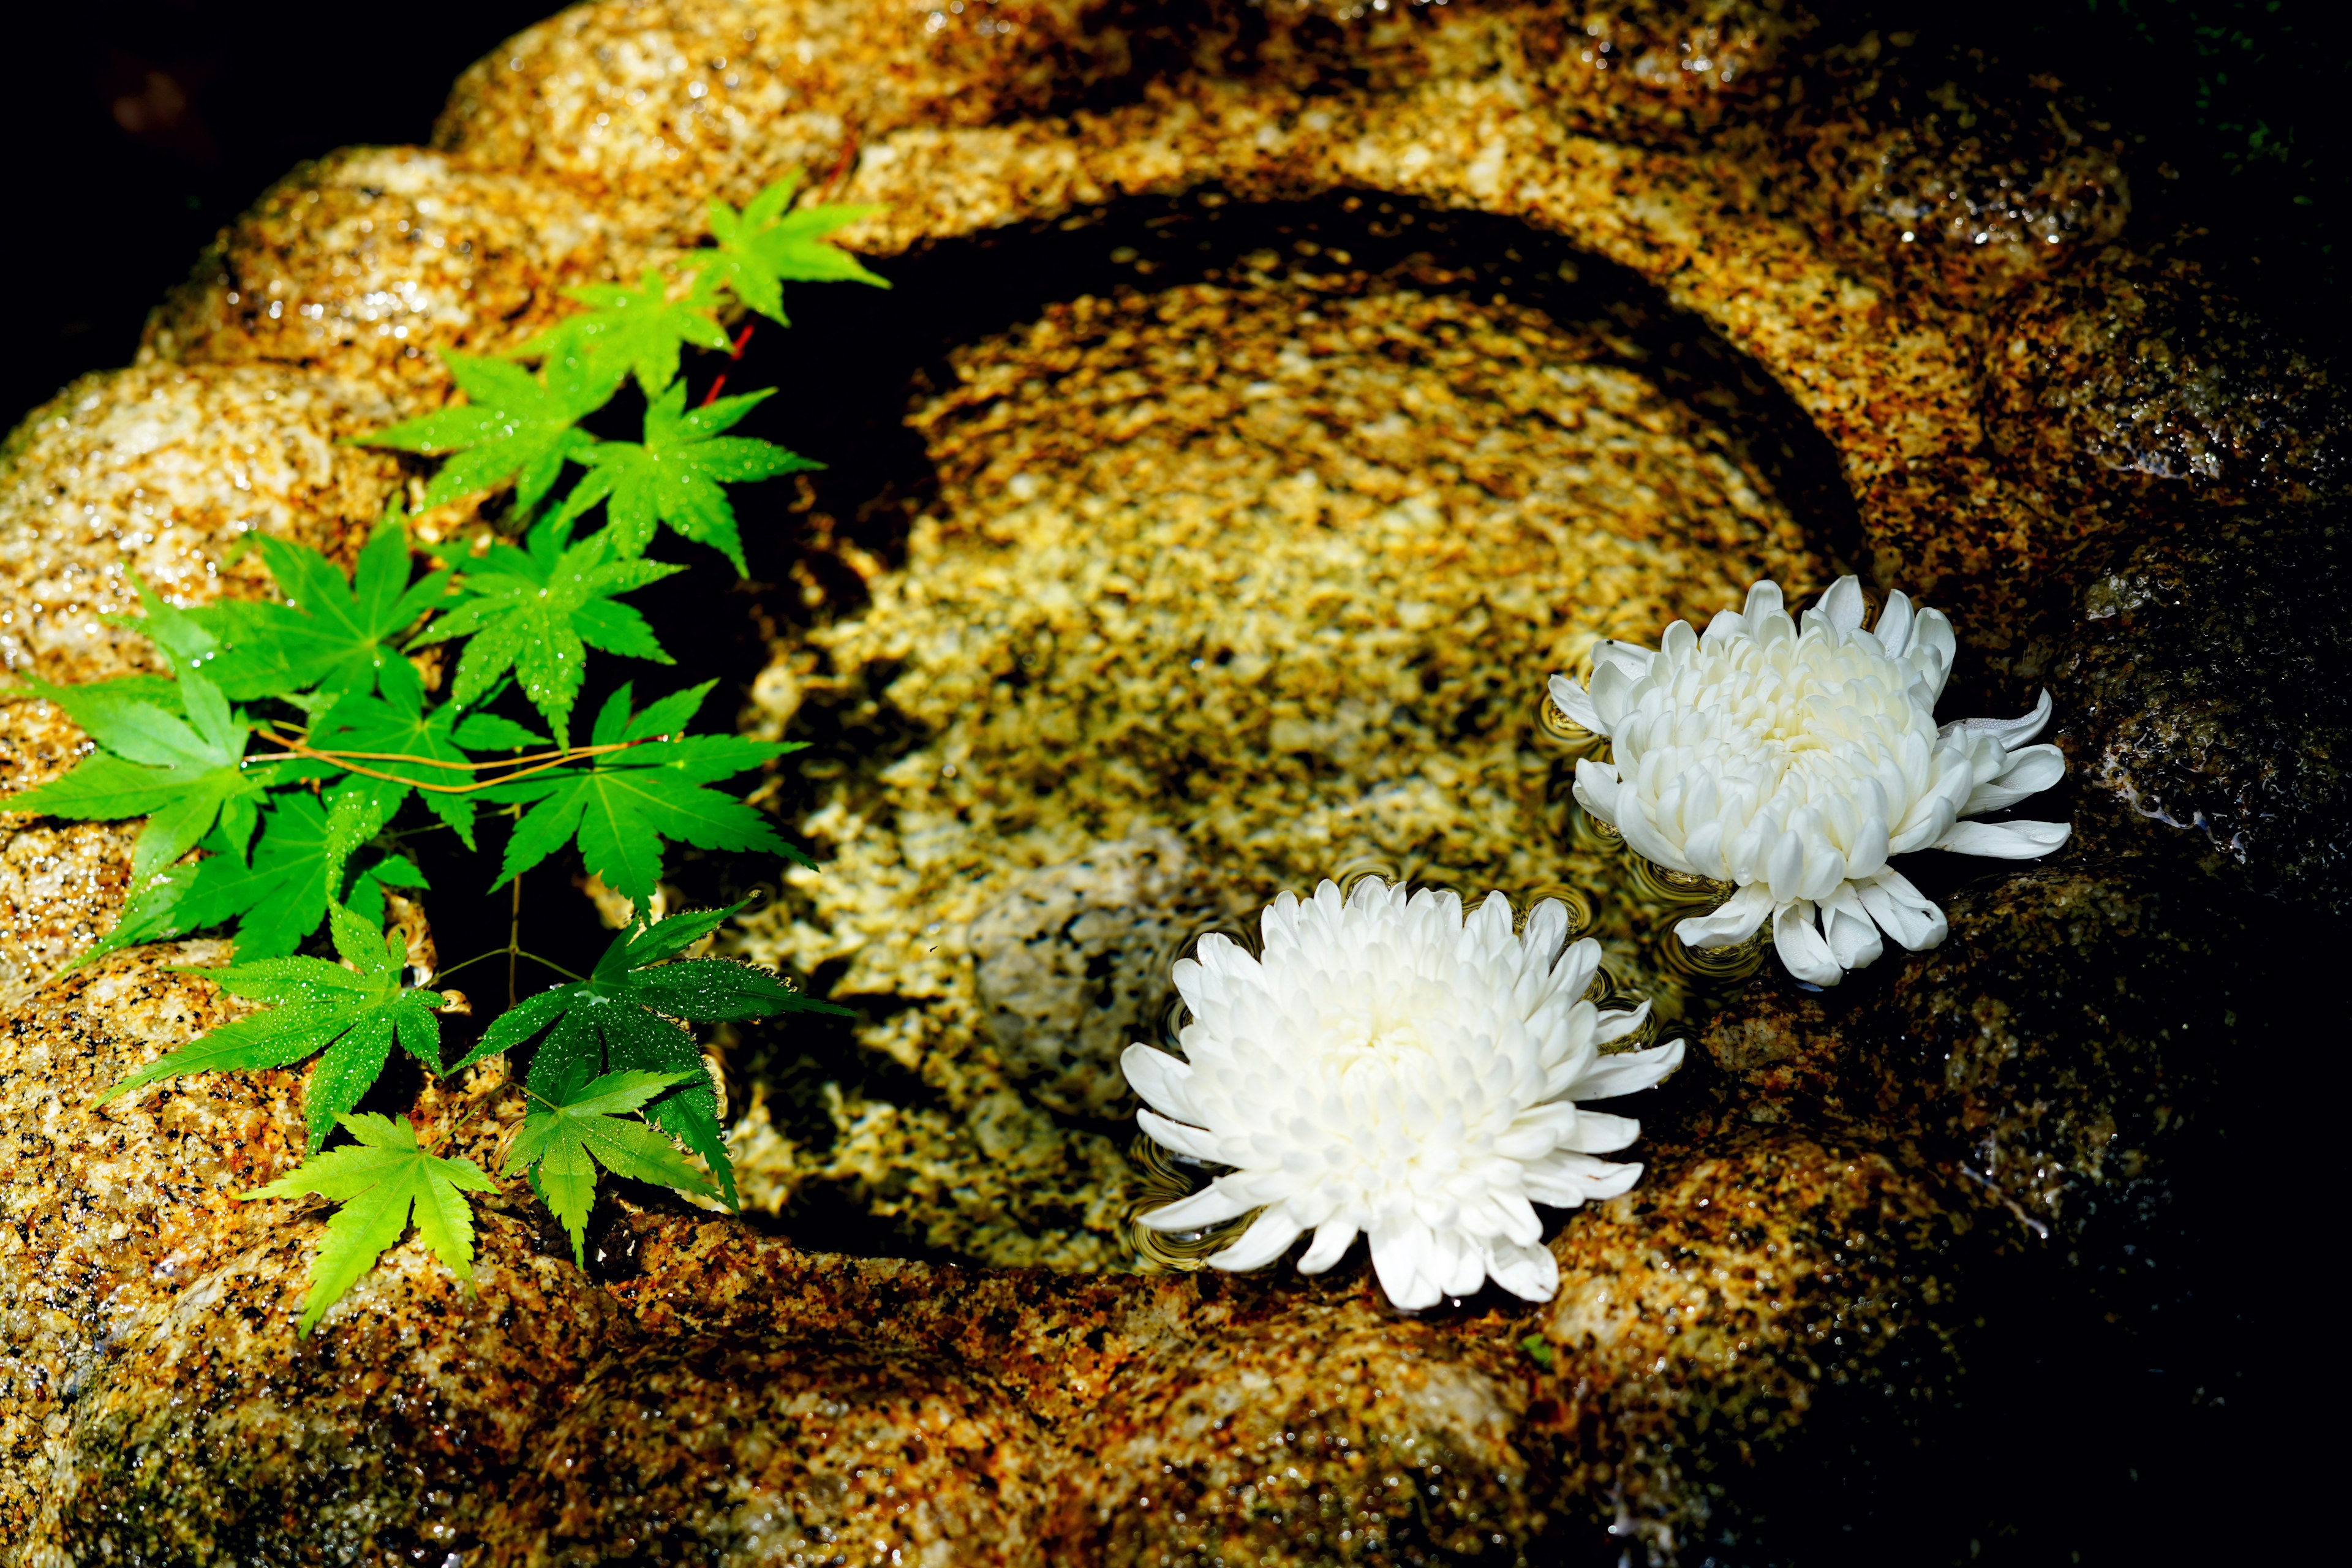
x=1268, y=564
x=2208, y=663
x=1072, y=963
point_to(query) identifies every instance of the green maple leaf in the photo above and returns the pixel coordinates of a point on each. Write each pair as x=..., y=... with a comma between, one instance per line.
x=512, y=426
x=622, y=805
x=638, y=330
x=386, y=728
x=283, y=889
x=678, y=474
x=353, y=1014
x=297, y=869
x=186, y=644
x=764, y=245
x=382, y=1183
x=99, y=704
x=574, y=1125
x=184, y=770
x=329, y=633
x=619, y=1019
x=489, y=732
x=537, y=611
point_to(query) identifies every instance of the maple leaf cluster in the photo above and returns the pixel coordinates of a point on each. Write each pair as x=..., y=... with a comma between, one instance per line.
x=299, y=741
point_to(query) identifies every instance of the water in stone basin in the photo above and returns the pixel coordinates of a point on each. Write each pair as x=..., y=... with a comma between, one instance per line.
x=1224, y=583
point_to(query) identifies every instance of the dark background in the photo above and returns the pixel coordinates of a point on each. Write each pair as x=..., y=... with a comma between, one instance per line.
x=135, y=129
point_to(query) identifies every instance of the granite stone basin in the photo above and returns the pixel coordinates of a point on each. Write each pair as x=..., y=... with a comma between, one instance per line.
x=1271, y=396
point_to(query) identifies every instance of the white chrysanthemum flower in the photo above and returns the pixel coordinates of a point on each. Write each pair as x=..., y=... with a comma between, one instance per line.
x=1387, y=1066
x=1793, y=762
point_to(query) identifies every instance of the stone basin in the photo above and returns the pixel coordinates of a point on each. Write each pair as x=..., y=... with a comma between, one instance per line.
x=1271, y=396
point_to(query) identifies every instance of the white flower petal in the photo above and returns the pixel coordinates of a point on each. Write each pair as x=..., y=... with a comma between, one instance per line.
x=1903, y=911
x=1566, y=1180
x=1576, y=705
x=1192, y=1141
x=1933, y=649
x=1213, y=1204
x=2011, y=733
x=1462, y=1265
x=1546, y=929
x=1847, y=927
x=1841, y=607
x=1611, y=696
x=1332, y=1240
x=1597, y=1133
x=1577, y=966
x=1615, y=1025
x=1596, y=788
x=1894, y=626
x=1794, y=762
x=2031, y=770
x=1529, y=1272
x=1800, y=945
x=1267, y=1238
x=1626, y=1073
x=1609, y=1180
x=1163, y=1080
x=2005, y=840
x=1732, y=922
x=1393, y=1066
x=1400, y=1258
x=1520, y=1225
x=1633, y=660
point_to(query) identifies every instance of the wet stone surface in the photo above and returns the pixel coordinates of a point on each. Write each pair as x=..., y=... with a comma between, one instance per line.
x=364, y=264
x=2126, y=387
x=788, y=1451
x=2057, y=1049
x=1072, y=965
x=157, y=470
x=2207, y=714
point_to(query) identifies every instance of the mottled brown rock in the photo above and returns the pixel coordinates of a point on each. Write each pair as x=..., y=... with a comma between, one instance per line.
x=1266, y=568
x=1285, y=1420
x=1952, y=174
x=107, y=1218
x=61, y=883
x=1755, y=1274
x=653, y=108
x=2058, y=1049
x=1072, y=965
x=2125, y=387
x=366, y=264
x=1676, y=71
x=389, y=1431
x=2208, y=717
x=157, y=470
x=758, y=1450
x=658, y=107
x=1307, y=1432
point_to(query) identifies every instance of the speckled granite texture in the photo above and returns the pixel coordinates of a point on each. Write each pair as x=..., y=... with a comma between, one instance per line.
x=1887, y=1237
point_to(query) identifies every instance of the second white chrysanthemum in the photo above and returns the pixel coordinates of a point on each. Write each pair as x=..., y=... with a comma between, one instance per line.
x=1388, y=1067
x=1792, y=762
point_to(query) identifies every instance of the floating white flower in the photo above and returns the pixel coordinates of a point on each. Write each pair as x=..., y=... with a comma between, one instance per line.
x=1792, y=763
x=1387, y=1066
